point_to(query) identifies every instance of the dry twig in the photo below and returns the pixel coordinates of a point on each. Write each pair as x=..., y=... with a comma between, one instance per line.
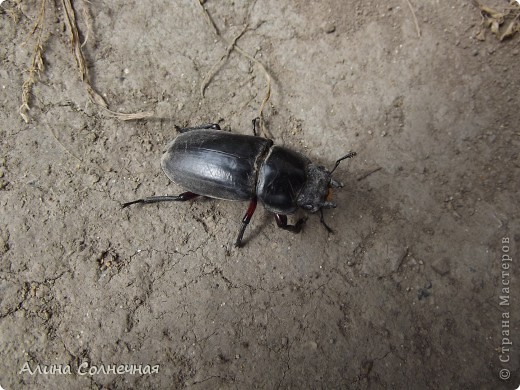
x=494, y=19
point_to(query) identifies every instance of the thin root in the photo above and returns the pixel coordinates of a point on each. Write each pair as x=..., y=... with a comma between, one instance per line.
x=70, y=20
x=230, y=47
x=37, y=65
x=414, y=19
x=96, y=98
x=215, y=68
x=88, y=21
x=61, y=143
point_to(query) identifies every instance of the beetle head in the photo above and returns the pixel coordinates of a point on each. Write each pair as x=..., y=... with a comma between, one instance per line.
x=314, y=194
x=317, y=192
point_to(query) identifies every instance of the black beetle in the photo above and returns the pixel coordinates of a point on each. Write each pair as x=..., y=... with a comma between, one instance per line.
x=216, y=164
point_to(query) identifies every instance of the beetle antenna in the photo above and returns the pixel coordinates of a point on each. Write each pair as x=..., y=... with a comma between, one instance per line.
x=348, y=155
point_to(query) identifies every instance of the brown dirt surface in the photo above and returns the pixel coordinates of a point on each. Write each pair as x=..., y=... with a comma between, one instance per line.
x=405, y=294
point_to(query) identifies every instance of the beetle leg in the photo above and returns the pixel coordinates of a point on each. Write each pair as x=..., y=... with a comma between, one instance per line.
x=155, y=199
x=281, y=221
x=245, y=221
x=207, y=126
x=322, y=220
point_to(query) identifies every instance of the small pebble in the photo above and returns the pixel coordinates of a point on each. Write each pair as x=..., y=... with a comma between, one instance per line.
x=329, y=28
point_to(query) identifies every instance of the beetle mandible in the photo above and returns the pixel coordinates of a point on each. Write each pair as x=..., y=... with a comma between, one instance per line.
x=207, y=161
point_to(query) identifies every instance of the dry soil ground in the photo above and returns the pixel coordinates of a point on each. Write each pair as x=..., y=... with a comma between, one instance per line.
x=405, y=294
